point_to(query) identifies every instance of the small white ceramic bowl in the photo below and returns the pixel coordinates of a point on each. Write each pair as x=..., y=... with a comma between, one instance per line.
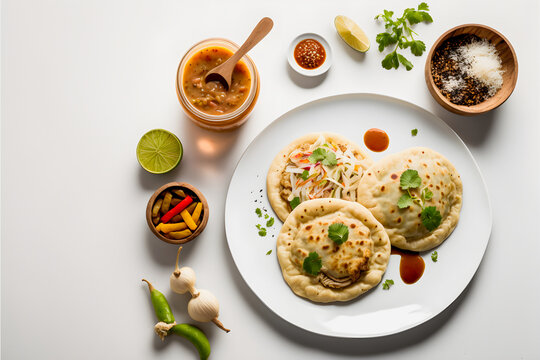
x=310, y=72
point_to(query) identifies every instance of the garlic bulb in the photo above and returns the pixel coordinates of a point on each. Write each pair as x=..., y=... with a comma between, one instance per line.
x=182, y=280
x=204, y=307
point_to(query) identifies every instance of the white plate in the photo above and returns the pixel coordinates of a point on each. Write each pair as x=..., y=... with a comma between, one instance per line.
x=379, y=312
x=310, y=72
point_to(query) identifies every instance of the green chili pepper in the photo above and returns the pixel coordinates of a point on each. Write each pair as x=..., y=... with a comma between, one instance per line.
x=195, y=336
x=190, y=332
x=161, y=306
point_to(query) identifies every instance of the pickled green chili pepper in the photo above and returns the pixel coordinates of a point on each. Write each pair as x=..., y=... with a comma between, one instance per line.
x=161, y=306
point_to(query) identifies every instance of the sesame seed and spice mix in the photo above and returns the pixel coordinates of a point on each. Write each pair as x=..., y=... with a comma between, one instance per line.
x=467, y=69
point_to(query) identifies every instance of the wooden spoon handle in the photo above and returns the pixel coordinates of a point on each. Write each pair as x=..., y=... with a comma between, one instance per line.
x=261, y=30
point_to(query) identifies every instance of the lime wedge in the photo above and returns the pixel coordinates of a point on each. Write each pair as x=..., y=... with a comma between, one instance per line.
x=159, y=151
x=351, y=33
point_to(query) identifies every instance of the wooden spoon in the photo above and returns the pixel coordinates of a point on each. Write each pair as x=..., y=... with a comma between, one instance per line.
x=223, y=72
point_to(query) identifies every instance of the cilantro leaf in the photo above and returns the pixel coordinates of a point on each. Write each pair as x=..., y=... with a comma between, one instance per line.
x=330, y=159
x=384, y=39
x=266, y=216
x=294, y=202
x=405, y=201
x=338, y=233
x=410, y=179
x=431, y=217
x=312, y=263
x=427, y=194
x=262, y=232
x=390, y=61
x=258, y=212
x=408, y=65
x=423, y=6
x=270, y=222
x=417, y=47
x=326, y=157
x=427, y=18
x=434, y=256
x=413, y=16
x=317, y=155
x=414, y=132
x=387, y=283
x=388, y=14
x=269, y=252
x=304, y=175
x=258, y=226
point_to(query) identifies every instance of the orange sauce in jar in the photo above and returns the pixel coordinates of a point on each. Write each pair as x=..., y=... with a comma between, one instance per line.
x=376, y=140
x=212, y=97
x=309, y=54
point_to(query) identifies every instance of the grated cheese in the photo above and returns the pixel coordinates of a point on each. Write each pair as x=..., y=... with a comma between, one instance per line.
x=481, y=61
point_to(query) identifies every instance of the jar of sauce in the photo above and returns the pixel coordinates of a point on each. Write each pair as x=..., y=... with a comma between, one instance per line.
x=210, y=105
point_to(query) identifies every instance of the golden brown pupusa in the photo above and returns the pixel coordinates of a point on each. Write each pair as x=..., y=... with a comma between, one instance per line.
x=379, y=191
x=348, y=269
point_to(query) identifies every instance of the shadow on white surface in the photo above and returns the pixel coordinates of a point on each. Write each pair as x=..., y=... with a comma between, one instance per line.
x=473, y=130
x=305, y=82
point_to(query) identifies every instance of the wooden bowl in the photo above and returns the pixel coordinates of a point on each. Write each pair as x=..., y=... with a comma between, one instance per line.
x=509, y=65
x=190, y=189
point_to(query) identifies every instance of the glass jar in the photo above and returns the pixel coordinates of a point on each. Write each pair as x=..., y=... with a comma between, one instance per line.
x=219, y=122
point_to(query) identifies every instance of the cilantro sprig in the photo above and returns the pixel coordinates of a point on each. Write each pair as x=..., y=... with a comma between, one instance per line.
x=326, y=157
x=312, y=263
x=401, y=34
x=338, y=233
x=430, y=216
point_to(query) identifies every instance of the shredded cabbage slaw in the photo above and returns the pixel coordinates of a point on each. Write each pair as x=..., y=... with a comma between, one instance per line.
x=338, y=181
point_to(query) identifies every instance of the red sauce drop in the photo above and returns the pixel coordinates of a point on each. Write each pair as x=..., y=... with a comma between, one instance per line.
x=309, y=54
x=411, y=265
x=376, y=140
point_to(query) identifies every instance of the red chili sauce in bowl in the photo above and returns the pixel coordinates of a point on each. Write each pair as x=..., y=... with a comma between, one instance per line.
x=309, y=54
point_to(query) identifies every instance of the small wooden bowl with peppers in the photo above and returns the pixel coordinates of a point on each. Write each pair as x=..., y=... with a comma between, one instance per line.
x=177, y=213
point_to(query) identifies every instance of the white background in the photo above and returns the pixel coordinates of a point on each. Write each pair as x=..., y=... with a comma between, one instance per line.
x=83, y=80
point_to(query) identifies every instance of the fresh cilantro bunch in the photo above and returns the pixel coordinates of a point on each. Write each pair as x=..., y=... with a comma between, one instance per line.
x=401, y=34
x=409, y=179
